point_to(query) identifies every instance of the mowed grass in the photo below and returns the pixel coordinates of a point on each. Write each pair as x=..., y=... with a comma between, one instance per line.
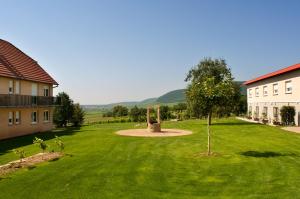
x=254, y=161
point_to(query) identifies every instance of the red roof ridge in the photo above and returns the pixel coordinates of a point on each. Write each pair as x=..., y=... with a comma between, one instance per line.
x=273, y=74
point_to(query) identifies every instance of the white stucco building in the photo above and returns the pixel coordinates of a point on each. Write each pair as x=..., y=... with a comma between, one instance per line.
x=268, y=93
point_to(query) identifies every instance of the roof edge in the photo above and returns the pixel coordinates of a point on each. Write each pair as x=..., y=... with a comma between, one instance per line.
x=273, y=74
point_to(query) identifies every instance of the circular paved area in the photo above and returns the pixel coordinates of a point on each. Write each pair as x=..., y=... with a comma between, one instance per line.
x=145, y=133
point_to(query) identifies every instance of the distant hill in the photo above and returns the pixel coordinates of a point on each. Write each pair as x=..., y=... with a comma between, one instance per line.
x=169, y=98
x=172, y=97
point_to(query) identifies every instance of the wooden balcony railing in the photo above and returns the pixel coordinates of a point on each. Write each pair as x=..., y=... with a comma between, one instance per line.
x=9, y=100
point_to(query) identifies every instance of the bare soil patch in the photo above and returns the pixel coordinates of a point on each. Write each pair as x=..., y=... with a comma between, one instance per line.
x=28, y=162
x=145, y=133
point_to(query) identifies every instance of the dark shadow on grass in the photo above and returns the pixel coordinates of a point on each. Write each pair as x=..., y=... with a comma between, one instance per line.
x=31, y=167
x=233, y=123
x=265, y=154
x=9, y=144
x=53, y=160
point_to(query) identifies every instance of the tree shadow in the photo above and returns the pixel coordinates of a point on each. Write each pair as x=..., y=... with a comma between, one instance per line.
x=12, y=143
x=233, y=123
x=265, y=154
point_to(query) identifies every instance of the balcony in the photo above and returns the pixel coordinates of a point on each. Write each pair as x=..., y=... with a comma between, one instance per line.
x=7, y=100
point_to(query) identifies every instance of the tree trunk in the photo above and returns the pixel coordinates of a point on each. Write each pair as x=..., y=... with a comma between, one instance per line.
x=208, y=133
x=209, y=117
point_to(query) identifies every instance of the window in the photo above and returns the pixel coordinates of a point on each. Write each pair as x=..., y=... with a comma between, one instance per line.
x=17, y=117
x=10, y=87
x=256, y=111
x=265, y=112
x=257, y=92
x=288, y=87
x=265, y=90
x=34, y=117
x=10, y=118
x=17, y=87
x=275, y=89
x=46, y=116
x=250, y=93
x=46, y=91
x=275, y=112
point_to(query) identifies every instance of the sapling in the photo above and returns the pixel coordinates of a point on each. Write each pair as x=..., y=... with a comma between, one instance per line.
x=41, y=143
x=59, y=143
x=20, y=153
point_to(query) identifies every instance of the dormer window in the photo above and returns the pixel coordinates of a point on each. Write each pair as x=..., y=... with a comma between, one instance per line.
x=288, y=87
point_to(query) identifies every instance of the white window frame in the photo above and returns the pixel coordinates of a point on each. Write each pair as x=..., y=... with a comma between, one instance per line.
x=32, y=117
x=288, y=90
x=46, y=91
x=250, y=93
x=257, y=92
x=10, y=87
x=17, y=87
x=265, y=90
x=46, y=119
x=10, y=118
x=277, y=90
x=17, y=117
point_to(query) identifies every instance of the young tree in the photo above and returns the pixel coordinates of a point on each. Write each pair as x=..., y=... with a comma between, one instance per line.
x=210, y=86
x=77, y=118
x=40, y=143
x=63, y=112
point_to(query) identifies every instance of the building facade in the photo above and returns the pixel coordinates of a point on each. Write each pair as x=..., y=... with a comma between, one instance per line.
x=26, y=94
x=268, y=93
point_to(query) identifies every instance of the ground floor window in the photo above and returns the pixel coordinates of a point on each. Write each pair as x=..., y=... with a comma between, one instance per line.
x=265, y=112
x=275, y=112
x=10, y=118
x=256, y=111
x=17, y=117
x=34, y=117
x=46, y=116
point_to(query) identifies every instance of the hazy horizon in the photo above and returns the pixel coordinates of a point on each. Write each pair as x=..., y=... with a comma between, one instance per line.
x=104, y=52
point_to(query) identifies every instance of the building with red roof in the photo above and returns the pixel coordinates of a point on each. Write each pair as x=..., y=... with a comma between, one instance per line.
x=267, y=94
x=26, y=94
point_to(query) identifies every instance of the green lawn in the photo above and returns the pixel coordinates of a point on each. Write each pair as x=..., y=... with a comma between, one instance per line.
x=256, y=161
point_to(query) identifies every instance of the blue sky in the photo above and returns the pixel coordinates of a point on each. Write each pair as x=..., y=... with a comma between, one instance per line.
x=109, y=51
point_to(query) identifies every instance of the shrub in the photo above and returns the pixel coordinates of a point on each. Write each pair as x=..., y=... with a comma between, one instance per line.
x=20, y=153
x=287, y=114
x=40, y=143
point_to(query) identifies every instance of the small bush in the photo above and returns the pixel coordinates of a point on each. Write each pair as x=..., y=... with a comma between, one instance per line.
x=20, y=153
x=59, y=143
x=287, y=114
x=40, y=143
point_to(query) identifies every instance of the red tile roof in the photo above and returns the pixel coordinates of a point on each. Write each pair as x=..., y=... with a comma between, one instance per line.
x=276, y=73
x=16, y=64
